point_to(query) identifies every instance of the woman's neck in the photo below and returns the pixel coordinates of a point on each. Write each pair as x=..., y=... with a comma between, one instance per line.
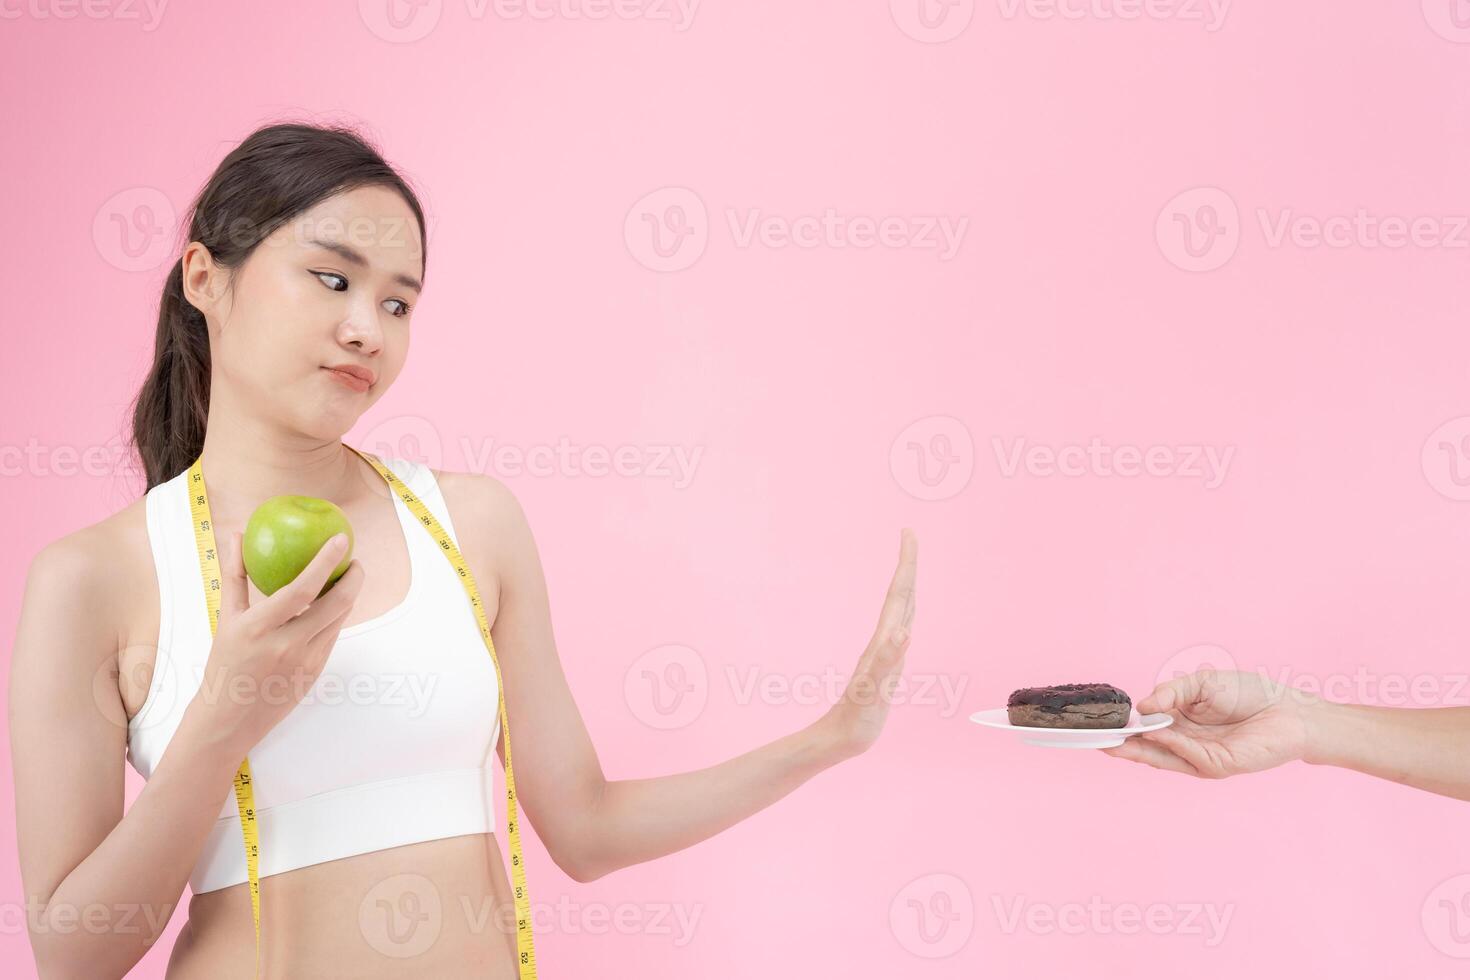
x=243, y=466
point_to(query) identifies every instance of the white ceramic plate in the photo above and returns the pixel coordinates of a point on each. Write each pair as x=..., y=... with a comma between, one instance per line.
x=1074, y=738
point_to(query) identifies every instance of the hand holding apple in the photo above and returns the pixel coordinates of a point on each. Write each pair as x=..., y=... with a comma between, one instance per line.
x=284, y=638
x=285, y=533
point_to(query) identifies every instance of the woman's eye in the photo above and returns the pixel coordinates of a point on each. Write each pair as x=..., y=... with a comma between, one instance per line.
x=401, y=311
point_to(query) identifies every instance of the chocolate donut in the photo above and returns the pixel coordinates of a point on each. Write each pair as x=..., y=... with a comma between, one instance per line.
x=1069, y=706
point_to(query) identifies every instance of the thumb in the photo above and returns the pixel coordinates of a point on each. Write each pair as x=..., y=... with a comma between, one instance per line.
x=878, y=659
x=234, y=591
x=1173, y=694
x=888, y=654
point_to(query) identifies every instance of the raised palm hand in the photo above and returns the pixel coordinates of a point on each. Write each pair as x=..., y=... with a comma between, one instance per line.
x=854, y=723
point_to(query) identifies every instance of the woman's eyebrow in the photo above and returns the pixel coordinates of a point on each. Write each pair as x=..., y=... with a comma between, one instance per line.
x=350, y=254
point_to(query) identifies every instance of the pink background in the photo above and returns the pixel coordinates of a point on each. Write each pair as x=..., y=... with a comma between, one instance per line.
x=815, y=381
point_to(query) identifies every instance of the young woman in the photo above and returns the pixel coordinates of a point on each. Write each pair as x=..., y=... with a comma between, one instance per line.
x=285, y=318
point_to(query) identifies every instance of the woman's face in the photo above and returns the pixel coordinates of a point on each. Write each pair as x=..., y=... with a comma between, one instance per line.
x=332, y=287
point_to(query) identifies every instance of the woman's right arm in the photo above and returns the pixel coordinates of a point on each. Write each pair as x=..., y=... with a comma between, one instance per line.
x=100, y=885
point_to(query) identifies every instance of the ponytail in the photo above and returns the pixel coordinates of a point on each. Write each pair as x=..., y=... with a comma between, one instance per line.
x=173, y=404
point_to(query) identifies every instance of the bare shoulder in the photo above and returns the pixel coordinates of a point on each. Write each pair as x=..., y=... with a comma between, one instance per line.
x=91, y=556
x=489, y=519
x=483, y=500
x=95, y=568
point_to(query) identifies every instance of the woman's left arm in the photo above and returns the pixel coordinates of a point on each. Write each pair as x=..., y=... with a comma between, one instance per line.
x=590, y=825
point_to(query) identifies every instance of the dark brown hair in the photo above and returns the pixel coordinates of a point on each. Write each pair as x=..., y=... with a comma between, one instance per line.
x=278, y=172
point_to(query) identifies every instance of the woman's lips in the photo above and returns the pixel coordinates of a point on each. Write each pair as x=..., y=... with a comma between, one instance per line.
x=355, y=383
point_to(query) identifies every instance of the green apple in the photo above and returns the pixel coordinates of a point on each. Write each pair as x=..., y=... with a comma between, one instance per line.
x=284, y=534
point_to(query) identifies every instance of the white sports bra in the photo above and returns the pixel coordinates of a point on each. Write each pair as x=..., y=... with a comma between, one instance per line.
x=390, y=746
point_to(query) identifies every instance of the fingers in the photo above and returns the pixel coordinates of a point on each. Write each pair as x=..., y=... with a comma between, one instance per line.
x=890, y=652
x=319, y=647
x=898, y=604
x=318, y=617
x=1175, y=694
x=234, y=589
x=882, y=656
x=1181, y=746
x=290, y=599
x=1135, y=749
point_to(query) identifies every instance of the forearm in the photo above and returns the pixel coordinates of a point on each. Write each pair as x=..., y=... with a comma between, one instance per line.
x=637, y=820
x=1427, y=748
x=107, y=913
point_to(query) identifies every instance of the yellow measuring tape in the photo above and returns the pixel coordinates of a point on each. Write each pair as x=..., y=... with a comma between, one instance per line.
x=244, y=796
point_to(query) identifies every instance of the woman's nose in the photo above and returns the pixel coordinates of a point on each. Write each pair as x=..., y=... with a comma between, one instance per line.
x=361, y=327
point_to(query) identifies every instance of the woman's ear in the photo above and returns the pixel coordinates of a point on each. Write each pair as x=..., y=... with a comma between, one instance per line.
x=203, y=282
